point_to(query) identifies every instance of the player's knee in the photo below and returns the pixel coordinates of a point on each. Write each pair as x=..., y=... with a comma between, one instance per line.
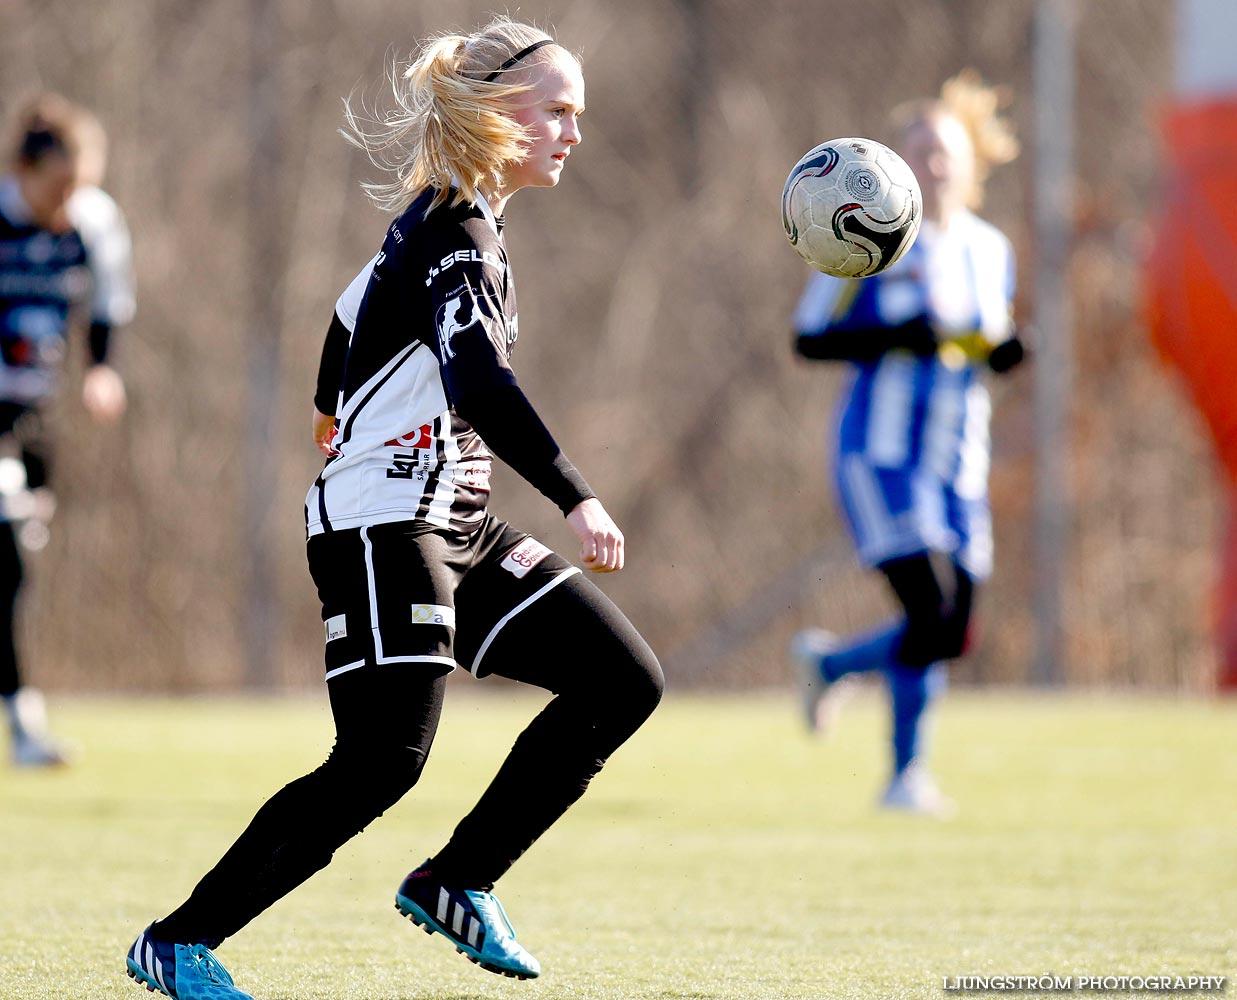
x=956, y=632
x=619, y=679
x=371, y=775
x=957, y=640
x=646, y=682
x=655, y=685
x=633, y=688
x=932, y=639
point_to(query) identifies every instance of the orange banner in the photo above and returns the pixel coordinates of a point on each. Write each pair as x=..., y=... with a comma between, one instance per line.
x=1191, y=287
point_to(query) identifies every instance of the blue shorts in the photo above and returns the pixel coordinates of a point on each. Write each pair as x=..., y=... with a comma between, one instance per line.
x=896, y=512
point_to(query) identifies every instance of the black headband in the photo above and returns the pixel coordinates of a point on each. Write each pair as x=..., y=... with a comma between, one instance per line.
x=518, y=56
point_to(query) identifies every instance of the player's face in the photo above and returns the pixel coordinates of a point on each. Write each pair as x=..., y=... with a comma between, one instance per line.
x=46, y=186
x=550, y=111
x=939, y=151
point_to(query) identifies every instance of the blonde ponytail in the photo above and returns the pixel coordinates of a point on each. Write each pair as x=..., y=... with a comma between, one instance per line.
x=451, y=121
x=978, y=107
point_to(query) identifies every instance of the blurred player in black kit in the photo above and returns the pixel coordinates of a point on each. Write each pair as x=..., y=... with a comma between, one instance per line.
x=64, y=249
x=415, y=396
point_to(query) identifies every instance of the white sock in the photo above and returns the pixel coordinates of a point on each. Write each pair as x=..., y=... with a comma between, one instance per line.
x=27, y=712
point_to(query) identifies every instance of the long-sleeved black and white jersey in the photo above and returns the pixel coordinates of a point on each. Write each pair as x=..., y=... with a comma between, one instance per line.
x=45, y=275
x=420, y=351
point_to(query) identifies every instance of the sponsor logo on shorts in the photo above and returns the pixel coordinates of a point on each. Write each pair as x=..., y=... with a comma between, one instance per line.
x=433, y=614
x=336, y=628
x=524, y=557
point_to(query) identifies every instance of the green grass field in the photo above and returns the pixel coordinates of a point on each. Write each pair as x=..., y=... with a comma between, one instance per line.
x=722, y=854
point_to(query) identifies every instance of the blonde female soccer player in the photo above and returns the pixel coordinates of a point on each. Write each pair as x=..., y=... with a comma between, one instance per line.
x=416, y=393
x=912, y=450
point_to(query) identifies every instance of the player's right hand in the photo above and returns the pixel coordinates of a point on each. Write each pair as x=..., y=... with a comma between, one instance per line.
x=324, y=431
x=601, y=542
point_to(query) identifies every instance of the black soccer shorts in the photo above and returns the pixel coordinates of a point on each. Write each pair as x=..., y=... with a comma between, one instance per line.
x=407, y=592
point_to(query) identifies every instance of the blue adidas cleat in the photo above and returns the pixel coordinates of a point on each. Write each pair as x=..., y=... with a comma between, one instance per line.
x=474, y=921
x=180, y=971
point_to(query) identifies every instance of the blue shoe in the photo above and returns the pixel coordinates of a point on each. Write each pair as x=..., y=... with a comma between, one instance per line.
x=816, y=695
x=181, y=971
x=474, y=921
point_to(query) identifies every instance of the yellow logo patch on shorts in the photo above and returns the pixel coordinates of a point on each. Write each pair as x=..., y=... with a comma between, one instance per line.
x=433, y=614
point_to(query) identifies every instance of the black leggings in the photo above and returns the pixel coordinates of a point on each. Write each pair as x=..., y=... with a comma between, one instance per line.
x=26, y=425
x=573, y=642
x=10, y=584
x=937, y=595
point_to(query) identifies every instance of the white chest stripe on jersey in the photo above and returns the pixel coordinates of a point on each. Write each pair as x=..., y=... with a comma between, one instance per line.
x=352, y=406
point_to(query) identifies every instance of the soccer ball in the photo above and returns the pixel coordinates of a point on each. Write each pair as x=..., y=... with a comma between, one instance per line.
x=851, y=207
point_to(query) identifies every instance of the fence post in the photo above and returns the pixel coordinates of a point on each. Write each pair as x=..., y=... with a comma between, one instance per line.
x=1053, y=59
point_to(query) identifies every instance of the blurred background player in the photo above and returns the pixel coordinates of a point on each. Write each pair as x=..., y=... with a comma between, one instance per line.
x=911, y=445
x=64, y=251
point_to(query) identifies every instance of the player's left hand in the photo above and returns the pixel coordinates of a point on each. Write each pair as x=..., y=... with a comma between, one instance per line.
x=103, y=393
x=1007, y=354
x=601, y=542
